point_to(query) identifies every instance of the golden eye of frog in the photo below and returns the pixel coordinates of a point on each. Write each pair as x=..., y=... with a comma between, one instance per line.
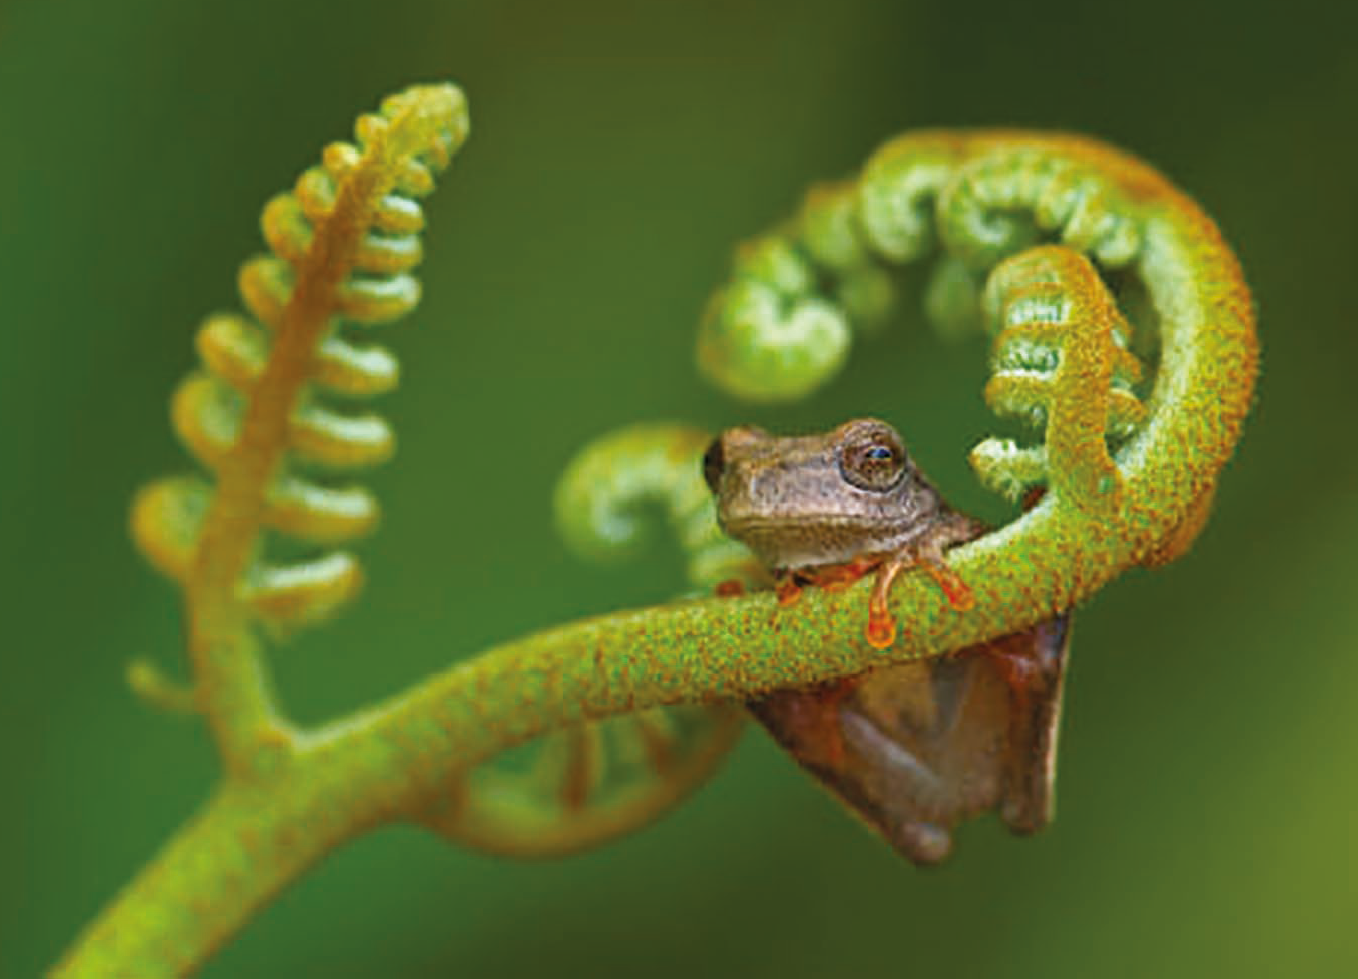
x=827, y=509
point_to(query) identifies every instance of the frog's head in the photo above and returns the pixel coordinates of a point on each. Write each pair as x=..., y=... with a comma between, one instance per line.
x=819, y=499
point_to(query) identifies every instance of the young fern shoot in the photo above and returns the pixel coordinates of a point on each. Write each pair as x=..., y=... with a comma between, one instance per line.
x=259, y=418
x=344, y=243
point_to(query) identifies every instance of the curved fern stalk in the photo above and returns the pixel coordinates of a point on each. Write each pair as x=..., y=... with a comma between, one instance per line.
x=592, y=782
x=1123, y=251
x=343, y=244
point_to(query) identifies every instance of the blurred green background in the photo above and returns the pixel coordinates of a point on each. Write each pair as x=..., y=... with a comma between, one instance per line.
x=1209, y=806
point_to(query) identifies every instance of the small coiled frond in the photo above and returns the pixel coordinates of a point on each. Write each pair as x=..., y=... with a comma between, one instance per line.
x=1003, y=201
x=614, y=486
x=782, y=324
x=583, y=785
x=1060, y=363
x=775, y=332
x=270, y=415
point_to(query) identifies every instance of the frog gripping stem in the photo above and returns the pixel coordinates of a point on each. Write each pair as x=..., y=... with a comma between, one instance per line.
x=1121, y=334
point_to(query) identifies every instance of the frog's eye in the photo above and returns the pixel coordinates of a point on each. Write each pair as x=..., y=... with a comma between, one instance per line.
x=875, y=462
x=714, y=461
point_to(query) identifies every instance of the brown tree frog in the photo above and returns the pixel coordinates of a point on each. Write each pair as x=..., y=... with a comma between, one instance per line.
x=911, y=748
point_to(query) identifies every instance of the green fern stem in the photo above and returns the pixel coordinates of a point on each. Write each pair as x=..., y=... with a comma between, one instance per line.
x=597, y=780
x=1129, y=479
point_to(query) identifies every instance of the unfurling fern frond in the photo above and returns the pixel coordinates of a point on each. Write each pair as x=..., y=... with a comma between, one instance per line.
x=1060, y=364
x=258, y=415
x=979, y=207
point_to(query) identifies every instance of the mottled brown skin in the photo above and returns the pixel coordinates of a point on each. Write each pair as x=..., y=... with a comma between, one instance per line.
x=791, y=501
x=912, y=749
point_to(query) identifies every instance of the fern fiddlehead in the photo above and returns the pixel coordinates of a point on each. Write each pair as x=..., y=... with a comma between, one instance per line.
x=1059, y=354
x=1024, y=230
x=343, y=243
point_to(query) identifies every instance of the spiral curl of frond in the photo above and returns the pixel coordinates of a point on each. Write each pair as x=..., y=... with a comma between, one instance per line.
x=615, y=484
x=1004, y=201
x=582, y=785
x=1079, y=261
x=1060, y=362
x=260, y=414
x=1060, y=341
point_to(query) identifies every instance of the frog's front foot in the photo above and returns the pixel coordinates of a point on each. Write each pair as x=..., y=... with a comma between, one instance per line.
x=881, y=630
x=837, y=577
x=957, y=591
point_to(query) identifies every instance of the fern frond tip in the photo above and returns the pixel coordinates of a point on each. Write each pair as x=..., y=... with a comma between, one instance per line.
x=304, y=593
x=1005, y=468
x=206, y=415
x=265, y=284
x=424, y=124
x=233, y=348
x=321, y=514
x=341, y=441
x=165, y=522
x=155, y=689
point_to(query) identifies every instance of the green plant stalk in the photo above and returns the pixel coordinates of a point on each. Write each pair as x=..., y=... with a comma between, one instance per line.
x=252, y=840
x=264, y=827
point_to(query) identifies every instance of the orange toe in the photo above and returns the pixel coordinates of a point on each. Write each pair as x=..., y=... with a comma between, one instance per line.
x=881, y=630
